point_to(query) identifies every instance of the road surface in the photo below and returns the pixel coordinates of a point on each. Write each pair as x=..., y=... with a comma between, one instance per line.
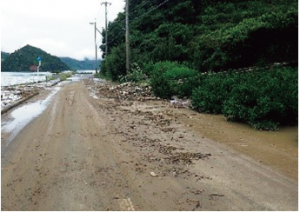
x=83, y=153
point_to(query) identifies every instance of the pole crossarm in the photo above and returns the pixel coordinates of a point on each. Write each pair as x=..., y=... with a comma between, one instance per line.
x=106, y=3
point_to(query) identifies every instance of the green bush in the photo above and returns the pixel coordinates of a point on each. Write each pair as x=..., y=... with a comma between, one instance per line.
x=64, y=76
x=162, y=87
x=171, y=78
x=209, y=97
x=265, y=99
x=114, y=65
x=135, y=74
x=180, y=72
x=186, y=88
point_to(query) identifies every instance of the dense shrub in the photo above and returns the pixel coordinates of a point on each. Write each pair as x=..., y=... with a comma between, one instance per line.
x=134, y=75
x=114, y=64
x=179, y=72
x=162, y=87
x=171, y=78
x=213, y=90
x=263, y=99
x=268, y=37
x=187, y=86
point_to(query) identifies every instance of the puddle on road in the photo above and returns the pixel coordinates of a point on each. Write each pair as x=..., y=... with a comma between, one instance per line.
x=24, y=114
x=74, y=79
x=78, y=77
x=278, y=149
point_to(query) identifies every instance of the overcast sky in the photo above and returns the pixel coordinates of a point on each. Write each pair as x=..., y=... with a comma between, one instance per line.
x=59, y=27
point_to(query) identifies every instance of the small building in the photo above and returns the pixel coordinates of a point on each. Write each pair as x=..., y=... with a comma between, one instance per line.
x=33, y=68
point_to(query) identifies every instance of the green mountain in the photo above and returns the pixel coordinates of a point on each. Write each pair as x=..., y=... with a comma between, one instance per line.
x=85, y=64
x=206, y=35
x=4, y=55
x=22, y=59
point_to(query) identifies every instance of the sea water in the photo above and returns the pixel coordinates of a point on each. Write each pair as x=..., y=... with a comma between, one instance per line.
x=15, y=78
x=25, y=114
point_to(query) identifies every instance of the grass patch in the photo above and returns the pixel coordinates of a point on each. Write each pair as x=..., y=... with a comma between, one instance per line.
x=64, y=76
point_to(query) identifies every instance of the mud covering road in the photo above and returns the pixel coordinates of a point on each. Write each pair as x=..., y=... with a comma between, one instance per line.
x=85, y=153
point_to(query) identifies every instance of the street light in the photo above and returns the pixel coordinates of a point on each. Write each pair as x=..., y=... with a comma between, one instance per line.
x=94, y=23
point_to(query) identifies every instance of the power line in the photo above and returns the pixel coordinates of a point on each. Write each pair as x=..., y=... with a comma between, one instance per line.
x=115, y=36
x=140, y=6
x=136, y=18
x=161, y=4
x=158, y=6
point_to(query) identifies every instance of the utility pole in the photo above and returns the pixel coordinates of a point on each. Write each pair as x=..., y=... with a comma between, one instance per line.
x=105, y=3
x=95, y=24
x=127, y=36
x=96, y=62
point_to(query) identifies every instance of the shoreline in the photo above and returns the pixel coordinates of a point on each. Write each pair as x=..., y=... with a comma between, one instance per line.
x=14, y=95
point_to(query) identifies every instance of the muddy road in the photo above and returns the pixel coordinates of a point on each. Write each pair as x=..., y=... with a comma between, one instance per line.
x=88, y=152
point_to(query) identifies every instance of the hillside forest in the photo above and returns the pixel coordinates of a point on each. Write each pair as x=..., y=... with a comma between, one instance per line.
x=85, y=64
x=197, y=49
x=4, y=55
x=22, y=59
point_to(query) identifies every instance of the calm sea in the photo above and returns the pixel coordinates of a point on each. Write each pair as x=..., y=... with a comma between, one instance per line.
x=14, y=78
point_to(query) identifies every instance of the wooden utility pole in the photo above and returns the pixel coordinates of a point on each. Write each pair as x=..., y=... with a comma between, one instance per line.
x=94, y=23
x=96, y=62
x=127, y=37
x=106, y=42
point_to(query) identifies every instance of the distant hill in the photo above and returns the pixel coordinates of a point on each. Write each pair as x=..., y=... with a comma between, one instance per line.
x=4, y=55
x=85, y=64
x=22, y=59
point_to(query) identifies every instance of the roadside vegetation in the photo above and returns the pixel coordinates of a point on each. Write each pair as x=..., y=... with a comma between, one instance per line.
x=51, y=77
x=181, y=48
x=64, y=75
x=102, y=76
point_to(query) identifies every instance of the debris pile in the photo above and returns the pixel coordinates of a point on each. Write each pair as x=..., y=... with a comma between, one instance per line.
x=186, y=158
x=11, y=94
x=180, y=157
x=128, y=91
x=180, y=103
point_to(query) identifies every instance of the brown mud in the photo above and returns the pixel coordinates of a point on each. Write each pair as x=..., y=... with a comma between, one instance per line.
x=102, y=152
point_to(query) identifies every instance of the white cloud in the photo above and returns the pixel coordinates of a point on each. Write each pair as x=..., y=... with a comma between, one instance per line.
x=47, y=44
x=87, y=52
x=60, y=27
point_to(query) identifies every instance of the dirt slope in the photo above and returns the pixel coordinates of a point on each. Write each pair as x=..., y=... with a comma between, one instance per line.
x=98, y=154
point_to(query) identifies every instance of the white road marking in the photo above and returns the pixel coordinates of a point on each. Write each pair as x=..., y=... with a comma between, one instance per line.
x=126, y=205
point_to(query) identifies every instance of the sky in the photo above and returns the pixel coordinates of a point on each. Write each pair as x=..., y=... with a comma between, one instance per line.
x=59, y=27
